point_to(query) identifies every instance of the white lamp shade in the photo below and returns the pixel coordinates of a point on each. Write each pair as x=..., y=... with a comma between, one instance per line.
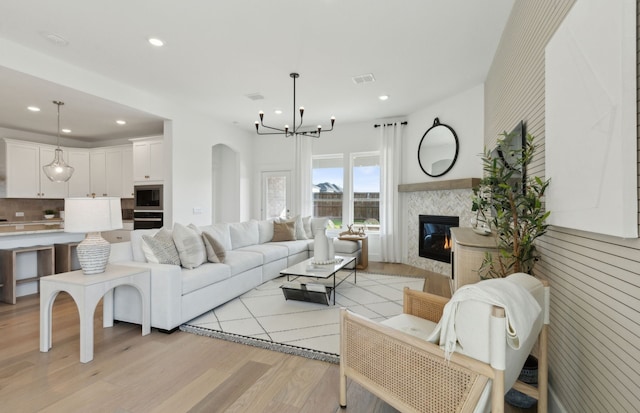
x=92, y=214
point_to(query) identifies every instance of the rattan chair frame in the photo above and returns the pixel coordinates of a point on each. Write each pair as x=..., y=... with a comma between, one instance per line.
x=412, y=375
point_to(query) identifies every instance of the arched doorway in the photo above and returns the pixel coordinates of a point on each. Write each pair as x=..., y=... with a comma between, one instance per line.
x=225, y=181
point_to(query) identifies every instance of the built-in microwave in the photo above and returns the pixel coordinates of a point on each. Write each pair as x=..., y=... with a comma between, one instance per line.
x=148, y=198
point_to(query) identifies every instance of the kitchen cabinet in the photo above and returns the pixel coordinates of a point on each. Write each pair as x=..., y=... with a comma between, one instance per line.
x=23, y=177
x=80, y=182
x=148, y=161
x=468, y=250
x=98, y=168
x=104, y=171
x=127, y=172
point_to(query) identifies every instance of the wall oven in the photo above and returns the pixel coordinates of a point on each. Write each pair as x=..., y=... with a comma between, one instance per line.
x=148, y=198
x=147, y=209
x=148, y=219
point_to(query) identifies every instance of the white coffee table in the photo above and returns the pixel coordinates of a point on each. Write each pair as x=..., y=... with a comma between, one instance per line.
x=87, y=290
x=307, y=268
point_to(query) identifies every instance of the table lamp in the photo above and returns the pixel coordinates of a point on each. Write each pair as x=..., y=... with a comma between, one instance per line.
x=92, y=215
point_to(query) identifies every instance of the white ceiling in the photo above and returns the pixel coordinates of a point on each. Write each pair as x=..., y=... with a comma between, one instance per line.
x=218, y=52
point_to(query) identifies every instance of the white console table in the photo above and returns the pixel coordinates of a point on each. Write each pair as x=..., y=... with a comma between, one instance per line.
x=87, y=290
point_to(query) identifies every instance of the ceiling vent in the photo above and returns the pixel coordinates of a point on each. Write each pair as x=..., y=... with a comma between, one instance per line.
x=360, y=79
x=55, y=39
x=255, y=96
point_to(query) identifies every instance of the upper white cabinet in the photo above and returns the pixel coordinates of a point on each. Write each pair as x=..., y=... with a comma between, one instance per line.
x=101, y=171
x=98, y=168
x=21, y=173
x=80, y=182
x=111, y=171
x=127, y=172
x=148, y=160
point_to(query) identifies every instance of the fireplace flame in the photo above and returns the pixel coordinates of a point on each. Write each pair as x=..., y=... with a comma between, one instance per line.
x=447, y=242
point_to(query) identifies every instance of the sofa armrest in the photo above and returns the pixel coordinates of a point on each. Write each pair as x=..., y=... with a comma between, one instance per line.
x=166, y=296
x=423, y=305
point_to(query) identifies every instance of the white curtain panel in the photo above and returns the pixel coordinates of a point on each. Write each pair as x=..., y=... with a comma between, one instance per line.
x=303, y=200
x=390, y=170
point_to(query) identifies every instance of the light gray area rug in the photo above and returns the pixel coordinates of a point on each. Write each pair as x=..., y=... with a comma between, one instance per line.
x=263, y=318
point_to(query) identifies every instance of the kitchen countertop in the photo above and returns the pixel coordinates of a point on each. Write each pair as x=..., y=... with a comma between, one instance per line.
x=30, y=227
x=8, y=228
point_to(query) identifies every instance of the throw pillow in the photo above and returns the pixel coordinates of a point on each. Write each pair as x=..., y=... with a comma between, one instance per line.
x=215, y=249
x=160, y=248
x=190, y=246
x=299, y=227
x=284, y=231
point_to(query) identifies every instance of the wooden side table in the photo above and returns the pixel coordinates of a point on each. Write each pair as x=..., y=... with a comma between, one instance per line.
x=87, y=290
x=66, y=257
x=9, y=268
x=364, y=252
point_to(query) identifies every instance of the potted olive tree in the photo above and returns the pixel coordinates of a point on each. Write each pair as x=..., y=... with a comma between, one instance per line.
x=513, y=205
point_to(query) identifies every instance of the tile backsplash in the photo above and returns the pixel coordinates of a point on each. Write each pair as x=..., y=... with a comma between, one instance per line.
x=33, y=209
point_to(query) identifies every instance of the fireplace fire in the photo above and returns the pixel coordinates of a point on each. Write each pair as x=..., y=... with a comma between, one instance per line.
x=435, y=236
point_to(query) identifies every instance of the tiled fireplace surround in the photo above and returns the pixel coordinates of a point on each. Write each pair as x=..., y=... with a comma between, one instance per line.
x=451, y=202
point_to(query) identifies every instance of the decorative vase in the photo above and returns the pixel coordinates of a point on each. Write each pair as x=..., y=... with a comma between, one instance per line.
x=331, y=248
x=320, y=247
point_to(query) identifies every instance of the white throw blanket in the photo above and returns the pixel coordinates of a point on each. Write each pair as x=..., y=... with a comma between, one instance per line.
x=521, y=310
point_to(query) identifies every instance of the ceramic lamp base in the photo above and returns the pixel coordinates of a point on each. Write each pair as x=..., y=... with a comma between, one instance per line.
x=93, y=253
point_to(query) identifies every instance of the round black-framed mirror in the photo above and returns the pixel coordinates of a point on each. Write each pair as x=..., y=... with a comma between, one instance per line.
x=438, y=149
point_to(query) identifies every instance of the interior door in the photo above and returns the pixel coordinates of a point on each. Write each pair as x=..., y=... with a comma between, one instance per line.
x=276, y=194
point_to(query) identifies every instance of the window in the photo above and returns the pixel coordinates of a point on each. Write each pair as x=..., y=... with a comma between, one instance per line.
x=348, y=191
x=366, y=190
x=328, y=183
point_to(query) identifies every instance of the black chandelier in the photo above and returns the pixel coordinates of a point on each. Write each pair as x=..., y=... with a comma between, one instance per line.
x=287, y=131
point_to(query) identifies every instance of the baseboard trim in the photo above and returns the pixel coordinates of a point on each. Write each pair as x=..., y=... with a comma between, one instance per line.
x=555, y=406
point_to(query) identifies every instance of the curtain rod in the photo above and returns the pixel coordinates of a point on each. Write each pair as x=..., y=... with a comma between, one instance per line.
x=390, y=124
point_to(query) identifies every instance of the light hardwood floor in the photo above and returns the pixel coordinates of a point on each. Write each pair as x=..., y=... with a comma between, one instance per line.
x=177, y=372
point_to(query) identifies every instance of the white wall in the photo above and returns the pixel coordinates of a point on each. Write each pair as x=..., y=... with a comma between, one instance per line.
x=188, y=141
x=464, y=113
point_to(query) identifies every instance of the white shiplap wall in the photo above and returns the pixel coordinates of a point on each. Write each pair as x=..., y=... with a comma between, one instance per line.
x=594, y=340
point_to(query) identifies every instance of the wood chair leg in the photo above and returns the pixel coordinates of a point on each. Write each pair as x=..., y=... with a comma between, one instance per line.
x=543, y=371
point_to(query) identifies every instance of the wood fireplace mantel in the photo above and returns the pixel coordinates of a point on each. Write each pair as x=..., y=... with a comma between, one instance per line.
x=464, y=183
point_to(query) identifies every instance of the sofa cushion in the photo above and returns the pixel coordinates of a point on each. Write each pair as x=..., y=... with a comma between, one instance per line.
x=215, y=250
x=190, y=246
x=265, y=231
x=244, y=233
x=136, y=243
x=204, y=275
x=160, y=248
x=241, y=261
x=294, y=247
x=345, y=246
x=271, y=252
x=284, y=231
x=221, y=233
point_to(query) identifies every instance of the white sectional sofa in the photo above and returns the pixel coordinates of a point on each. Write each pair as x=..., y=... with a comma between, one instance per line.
x=251, y=258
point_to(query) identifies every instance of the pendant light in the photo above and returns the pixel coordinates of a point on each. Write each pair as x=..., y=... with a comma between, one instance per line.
x=58, y=170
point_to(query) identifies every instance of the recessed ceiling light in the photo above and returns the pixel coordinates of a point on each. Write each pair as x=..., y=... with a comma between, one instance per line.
x=33, y=108
x=383, y=97
x=65, y=130
x=121, y=122
x=278, y=111
x=156, y=42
